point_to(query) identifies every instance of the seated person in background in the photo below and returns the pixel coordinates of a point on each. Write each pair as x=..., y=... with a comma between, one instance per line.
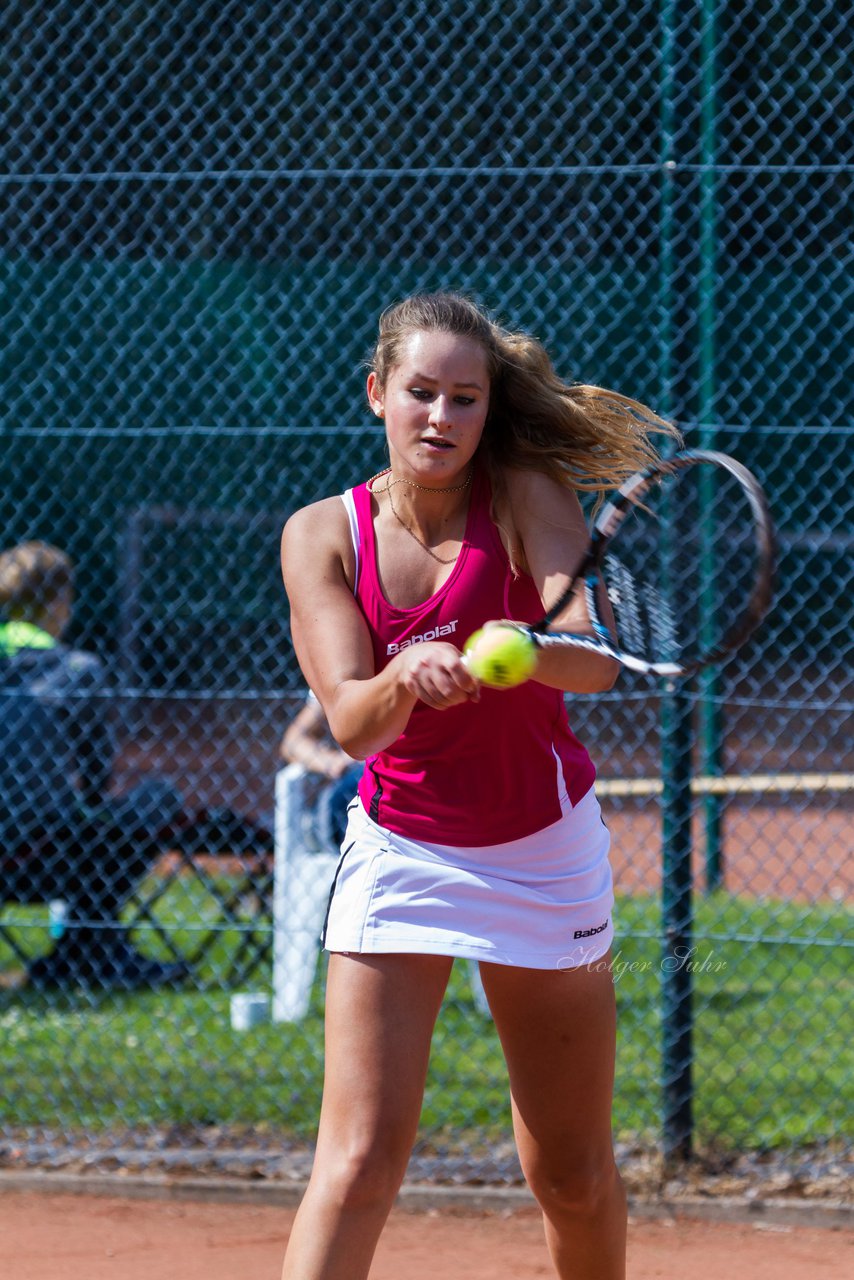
x=308, y=742
x=61, y=835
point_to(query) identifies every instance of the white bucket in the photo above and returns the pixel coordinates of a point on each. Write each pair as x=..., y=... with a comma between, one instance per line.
x=249, y=1009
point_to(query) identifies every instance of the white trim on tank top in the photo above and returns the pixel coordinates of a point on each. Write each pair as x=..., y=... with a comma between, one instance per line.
x=350, y=507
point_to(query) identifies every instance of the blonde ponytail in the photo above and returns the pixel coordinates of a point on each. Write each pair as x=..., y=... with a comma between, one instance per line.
x=585, y=437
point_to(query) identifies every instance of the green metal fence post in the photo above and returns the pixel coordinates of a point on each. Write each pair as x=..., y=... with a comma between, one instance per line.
x=677, y=923
x=675, y=721
x=711, y=710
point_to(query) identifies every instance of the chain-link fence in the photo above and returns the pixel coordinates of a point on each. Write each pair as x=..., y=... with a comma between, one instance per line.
x=204, y=207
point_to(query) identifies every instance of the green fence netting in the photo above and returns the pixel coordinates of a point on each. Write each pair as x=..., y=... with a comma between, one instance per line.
x=203, y=207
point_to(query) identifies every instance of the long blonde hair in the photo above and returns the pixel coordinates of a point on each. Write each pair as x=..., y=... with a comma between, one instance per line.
x=587, y=438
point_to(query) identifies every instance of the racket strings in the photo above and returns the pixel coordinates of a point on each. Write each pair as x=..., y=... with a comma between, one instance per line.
x=646, y=621
x=681, y=574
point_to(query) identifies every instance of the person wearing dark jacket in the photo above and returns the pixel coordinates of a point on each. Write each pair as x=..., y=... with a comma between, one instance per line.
x=62, y=835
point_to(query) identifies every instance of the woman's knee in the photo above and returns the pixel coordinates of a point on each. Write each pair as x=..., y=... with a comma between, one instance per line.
x=364, y=1177
x=585, y=1189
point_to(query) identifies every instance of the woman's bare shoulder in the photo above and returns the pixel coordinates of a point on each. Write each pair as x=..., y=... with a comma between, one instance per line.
x=525, y=482
x=319, y=519
x=316, y=538
x=535, y=494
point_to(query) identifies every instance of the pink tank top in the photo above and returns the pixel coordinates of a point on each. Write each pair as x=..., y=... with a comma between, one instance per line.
x=480, y=773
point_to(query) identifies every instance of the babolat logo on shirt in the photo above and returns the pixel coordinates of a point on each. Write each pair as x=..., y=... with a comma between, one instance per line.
x=447, y=629
x=590, y=933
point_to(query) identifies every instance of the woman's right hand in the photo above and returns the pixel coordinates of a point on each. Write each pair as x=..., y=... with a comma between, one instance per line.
x=437, y=675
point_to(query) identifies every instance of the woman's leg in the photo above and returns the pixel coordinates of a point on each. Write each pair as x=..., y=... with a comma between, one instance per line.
x=380, y=1014
x=558, y=1031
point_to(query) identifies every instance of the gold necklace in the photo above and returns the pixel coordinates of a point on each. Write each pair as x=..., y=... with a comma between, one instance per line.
x=400, y=520
x=413, y=484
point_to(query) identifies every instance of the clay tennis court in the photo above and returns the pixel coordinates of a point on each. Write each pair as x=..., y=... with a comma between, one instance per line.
x=799, y=852
x=65, y=1237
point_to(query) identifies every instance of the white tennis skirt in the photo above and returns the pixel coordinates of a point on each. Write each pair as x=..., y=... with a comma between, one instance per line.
x=542, y=902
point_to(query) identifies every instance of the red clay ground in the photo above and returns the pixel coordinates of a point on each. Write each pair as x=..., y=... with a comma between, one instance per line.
x=55, y=1237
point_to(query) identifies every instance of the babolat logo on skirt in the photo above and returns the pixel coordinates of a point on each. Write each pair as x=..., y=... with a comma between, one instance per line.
x=590, y=933
x=447, y=629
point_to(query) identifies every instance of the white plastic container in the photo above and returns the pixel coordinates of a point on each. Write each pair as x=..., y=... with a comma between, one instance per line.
x=249, y=1009
x=57, y=917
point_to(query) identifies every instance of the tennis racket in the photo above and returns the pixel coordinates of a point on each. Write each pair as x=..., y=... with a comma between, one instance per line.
x=685, y=552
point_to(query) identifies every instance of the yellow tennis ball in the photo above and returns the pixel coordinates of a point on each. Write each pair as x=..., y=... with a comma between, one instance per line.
x=501, y=657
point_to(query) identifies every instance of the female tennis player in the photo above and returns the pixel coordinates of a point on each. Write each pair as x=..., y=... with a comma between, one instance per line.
x=476, y=831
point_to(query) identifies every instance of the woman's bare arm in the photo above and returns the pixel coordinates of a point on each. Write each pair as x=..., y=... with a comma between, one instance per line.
x=366, y=710
x=553, y=536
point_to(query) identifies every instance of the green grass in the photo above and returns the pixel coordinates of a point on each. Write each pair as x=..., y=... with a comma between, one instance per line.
x=771, y=1066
